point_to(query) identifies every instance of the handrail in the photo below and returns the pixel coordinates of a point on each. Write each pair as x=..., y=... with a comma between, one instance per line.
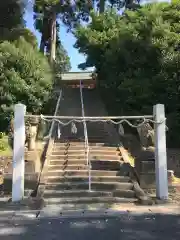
x=55, y=114
x=49, y=144
x=86, y=137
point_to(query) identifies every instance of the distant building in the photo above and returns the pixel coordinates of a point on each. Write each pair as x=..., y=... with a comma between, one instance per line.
x=72, y=79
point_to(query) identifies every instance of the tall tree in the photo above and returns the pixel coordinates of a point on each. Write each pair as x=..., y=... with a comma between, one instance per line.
x=47, y=12
x=16, y=33
x=62, y=63
x=137, y=58
x=11, y=14
x=12, y=24
x=71, y=13
x=118, y=4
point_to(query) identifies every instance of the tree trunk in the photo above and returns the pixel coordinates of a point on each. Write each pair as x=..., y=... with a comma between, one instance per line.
x=53, y=38
x=101, y=6
x=42, y=44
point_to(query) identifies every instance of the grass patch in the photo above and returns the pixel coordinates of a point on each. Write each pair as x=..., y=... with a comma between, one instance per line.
x=131, y=160
x=5, y=149
x=176, y=180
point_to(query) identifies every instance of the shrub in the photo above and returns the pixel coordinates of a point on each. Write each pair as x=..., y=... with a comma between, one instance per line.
x=137, y=58
x=25, y=76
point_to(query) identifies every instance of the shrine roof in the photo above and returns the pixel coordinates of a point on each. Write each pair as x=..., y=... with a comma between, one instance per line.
x=70, y=76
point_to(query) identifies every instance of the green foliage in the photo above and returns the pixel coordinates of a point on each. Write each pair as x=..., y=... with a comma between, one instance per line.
x=117, y=4
x=137, y=58
x=28, y=36
x=11, y=14
x=16, y=33
x=4, y=147
x=2, y=134
x=70, y=12
x=12, y=25
x=62, y=63
x=46, y=12
x=25, y=76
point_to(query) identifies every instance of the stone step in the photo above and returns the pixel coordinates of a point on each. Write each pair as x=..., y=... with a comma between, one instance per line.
x=72, y=209
x=113, y=166
x=107, y=147
x=67, y=143
x=68, y=166
x=95, y=126
x=74, y=148
x=69, y=137
x=85, y=193
x=102, y=157
x=105, y=140
x=64, y=151
x=106, y=165
x=92, y=151
x=99, y=151
x=58, y=156
x=64, y=147
x=67, y=158
x=86, y=200
x=82, y=173
x=59, y=162
x=105, y=151
x=53, y=192
x=68, y=179
x=97, y=130
x=83, y=156
x=93, y=136
x=78, y=144
x=101, y=186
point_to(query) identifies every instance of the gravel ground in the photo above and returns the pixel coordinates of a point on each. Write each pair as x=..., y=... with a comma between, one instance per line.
x=126, y=227
x=174, y=194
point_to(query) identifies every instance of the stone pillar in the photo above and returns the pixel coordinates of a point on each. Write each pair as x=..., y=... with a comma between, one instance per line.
x=33, y=133
x=160, y=152
x=18, y=153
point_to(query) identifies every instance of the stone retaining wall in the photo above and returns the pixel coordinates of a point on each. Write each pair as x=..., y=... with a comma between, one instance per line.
x=146, y=168
x=32, y=169
x=32, y=162
x=173, y=161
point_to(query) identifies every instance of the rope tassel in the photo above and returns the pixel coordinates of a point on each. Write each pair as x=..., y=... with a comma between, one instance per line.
x=73, y=128
x=59, y=131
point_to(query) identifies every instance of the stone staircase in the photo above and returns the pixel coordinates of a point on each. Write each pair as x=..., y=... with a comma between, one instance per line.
x=67, y=178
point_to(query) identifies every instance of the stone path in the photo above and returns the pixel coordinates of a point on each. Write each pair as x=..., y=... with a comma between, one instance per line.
x=147, y=223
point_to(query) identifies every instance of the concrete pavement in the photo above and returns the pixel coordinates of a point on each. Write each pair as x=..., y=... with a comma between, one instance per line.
x=126, y=226
x=115, y=210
